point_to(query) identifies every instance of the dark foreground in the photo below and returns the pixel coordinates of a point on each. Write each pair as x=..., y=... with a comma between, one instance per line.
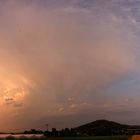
x=95, y=138
x=77, y=138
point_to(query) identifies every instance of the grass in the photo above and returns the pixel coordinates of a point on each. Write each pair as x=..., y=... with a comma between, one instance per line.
x=94, y=138
x=78, y=138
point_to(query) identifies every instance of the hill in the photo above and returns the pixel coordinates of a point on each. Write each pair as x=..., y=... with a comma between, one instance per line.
x=105, y=127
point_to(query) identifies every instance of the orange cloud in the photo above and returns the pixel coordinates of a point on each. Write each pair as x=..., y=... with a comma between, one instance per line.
x=47, y=55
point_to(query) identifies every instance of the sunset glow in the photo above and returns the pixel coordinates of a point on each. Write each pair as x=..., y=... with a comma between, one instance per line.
x=77, y=60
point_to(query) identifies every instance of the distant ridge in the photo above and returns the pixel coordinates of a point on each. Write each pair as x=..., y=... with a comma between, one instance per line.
x=105, y=127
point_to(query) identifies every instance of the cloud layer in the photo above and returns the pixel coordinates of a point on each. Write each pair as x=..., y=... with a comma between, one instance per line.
x=54, y=59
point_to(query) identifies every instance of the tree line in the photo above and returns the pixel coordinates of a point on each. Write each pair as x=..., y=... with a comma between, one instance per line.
x=54, y=132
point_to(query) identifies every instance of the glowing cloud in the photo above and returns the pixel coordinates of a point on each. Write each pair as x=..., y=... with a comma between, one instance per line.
x=49, y=55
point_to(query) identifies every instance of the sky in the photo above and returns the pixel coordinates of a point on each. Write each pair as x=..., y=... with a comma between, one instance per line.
x=68, y=62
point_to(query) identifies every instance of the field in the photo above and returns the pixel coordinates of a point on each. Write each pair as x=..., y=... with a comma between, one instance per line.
x=95, y=138
x=74, y=138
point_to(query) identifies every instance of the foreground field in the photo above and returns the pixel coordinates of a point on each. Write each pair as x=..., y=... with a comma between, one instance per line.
x=95, y=138
x=76, y=138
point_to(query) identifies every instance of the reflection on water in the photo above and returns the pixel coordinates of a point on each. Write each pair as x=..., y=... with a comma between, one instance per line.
x=22, y=135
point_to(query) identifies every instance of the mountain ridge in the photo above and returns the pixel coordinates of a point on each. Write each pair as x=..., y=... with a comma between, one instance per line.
x=106, y=127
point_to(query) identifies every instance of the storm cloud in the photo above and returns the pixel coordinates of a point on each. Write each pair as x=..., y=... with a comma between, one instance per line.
x=55, y=58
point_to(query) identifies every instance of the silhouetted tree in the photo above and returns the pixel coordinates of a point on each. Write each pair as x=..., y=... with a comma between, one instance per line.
x=47, y=134
x=54, y=132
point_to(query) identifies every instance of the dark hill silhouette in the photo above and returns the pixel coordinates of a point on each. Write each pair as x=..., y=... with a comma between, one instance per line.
x=96, y=128
x=105, y=127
